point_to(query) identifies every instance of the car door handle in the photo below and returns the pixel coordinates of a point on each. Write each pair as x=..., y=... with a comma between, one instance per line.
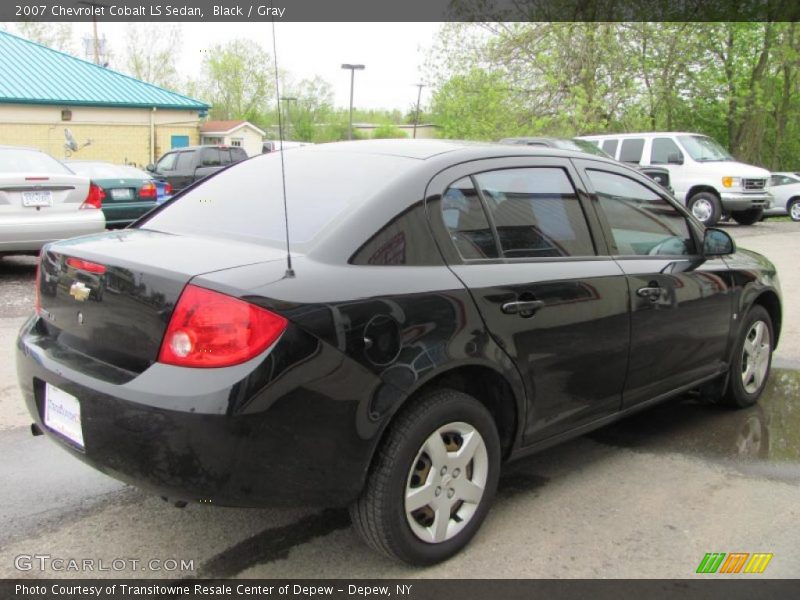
x=521, y=307
x=651, y=293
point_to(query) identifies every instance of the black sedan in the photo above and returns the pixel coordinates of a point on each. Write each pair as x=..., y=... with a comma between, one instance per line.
x=449, y=307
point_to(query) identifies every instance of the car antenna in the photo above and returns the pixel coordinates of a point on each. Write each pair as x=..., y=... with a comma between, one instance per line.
x=289, y=269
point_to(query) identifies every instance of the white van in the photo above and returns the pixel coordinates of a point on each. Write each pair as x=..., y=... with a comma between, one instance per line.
x=702, y=173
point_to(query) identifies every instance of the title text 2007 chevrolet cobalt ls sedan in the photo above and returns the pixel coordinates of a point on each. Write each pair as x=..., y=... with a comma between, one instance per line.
x=452, y=306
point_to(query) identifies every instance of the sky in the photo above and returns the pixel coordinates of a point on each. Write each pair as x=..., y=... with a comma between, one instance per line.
x=393, y=54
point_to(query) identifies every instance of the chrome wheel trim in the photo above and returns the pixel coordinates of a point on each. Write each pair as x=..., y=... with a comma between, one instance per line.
x=702, y=209
x=794, y=211
x=755, y=357
x=454, y=463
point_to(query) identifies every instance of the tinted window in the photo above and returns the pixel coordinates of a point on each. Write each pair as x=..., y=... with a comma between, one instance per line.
x=246, y=200
x=184, y=162
x=662, y=149
x=238, y=154
x=405, y=240
x=167, y=162
x=211, y=157
x=641, y=221
x=466, y=221
x=22, y=160
x=536, y=213
x=610, y=146
x=631, y=150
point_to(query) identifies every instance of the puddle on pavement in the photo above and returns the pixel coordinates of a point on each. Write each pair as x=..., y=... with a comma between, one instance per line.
x=764, y=439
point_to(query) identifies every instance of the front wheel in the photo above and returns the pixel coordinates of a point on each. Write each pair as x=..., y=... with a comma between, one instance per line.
x=751, y=360
x=432, y=481
x=705, y=207
x=793, y=208
x=748, y=217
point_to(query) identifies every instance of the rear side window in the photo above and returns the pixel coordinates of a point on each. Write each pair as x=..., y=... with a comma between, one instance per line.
x=536, y=213
x=662, y=149
x=642, y=222
x=211, y=157
x=466, y=221
x=631, y=151
x=184, y=162
x=238, y=154
x=610, y=146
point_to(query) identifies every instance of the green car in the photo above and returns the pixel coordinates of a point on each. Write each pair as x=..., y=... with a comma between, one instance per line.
x=127, y=192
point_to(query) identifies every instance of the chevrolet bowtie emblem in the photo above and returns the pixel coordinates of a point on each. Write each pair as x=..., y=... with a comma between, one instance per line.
x=79, y=291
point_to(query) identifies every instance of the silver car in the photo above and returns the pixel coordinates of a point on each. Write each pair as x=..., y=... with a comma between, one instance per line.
x=785, y=190
x=41, y=200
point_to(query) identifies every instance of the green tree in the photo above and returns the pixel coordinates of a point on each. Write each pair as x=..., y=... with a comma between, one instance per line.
x=237, y=78
x=53, y=35
x=308, y=106
x=150, y=53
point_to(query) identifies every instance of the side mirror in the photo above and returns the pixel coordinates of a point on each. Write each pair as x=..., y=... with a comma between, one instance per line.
x=676, y=158
x=717, y=243
x=151, y=167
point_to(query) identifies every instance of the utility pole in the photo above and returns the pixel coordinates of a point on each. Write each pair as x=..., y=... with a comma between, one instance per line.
x=416, y=115
x=96, y=39
x=353, y=69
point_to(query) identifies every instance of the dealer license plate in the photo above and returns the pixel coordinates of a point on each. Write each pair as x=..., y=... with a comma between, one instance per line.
x=62, y=413
x=37, y=199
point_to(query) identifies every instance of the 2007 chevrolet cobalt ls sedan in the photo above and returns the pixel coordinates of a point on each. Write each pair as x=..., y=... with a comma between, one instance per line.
x=451, y=306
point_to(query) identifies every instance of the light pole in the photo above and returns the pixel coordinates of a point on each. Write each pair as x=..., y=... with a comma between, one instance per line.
x=353, y=69
x=416, y=115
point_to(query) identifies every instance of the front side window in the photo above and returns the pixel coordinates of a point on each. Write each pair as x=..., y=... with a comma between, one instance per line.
x=703, y=149
x=642, y=222
x=536, y=213
x=631, y=151
x=663, y=149
x=167, y=163
x=184, y=162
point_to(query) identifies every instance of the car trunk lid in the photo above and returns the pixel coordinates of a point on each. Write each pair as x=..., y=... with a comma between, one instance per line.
x=110, y=296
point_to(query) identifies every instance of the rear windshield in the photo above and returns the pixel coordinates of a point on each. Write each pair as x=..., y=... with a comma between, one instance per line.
x=100, y=170
x=22, y=160
x=245, y=201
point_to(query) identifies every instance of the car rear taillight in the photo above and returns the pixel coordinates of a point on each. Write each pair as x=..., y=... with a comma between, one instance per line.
x=168, y=189
x=95, y=197
x=148, y=191
x=38, y=297
x=85, y=265
x=210, y=329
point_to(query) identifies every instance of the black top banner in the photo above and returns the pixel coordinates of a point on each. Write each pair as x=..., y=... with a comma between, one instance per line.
x=398, y=10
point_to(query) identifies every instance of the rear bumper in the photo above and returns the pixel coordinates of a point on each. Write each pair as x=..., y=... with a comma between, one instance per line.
x=734, y=201
x=204, y=435
x=18, y=234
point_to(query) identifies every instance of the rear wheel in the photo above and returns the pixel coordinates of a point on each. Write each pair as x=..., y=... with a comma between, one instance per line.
x=705, y=207
x=793, y=208
x=432, y=481
x=748, y=217
x=751, y=360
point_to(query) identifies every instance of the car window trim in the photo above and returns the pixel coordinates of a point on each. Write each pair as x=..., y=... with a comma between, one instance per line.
x=583, y=165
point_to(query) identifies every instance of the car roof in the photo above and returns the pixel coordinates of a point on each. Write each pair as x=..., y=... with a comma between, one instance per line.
x=200, y=147
x=640, y=134
x=10, y=147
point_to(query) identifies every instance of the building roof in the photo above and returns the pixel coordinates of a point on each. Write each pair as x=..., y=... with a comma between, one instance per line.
x=225, y=127
x=36, y=74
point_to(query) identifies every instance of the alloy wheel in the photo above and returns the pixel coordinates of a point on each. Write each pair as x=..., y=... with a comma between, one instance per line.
x=755, y=356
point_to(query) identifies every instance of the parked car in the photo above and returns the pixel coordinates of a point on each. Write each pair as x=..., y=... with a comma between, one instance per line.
x=785, y=190
x=183, y=166
x=127, y=193
x=658, y=174
x=41, y=200
x=448, y=307
x=705, y=177
x=163, y=188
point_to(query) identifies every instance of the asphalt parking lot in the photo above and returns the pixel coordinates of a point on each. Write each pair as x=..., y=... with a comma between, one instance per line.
x=646, y=497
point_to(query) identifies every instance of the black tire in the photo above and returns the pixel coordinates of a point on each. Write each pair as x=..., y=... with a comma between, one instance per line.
x=793, y=209
x=748, y=217
x=379, y=515
x=737, y=395
x=705, y=207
